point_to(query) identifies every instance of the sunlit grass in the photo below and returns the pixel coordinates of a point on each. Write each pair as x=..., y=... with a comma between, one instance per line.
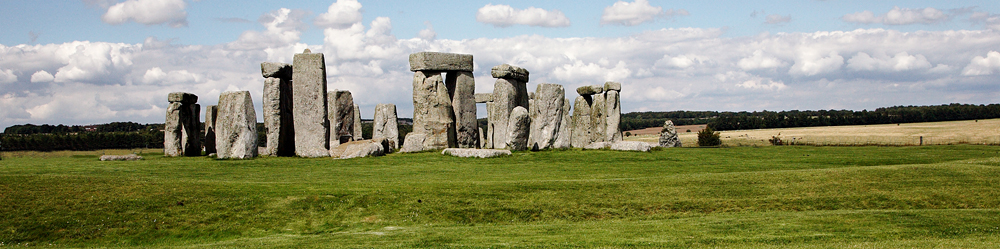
x=764, y=197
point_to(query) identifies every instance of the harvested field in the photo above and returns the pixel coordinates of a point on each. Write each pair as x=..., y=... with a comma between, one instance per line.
x=934, y=133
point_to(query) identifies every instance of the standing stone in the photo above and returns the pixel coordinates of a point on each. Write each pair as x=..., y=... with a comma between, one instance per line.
x=192, y=130
x=358, y=132
x=312, y=127
x=211, y=112
x=462, y=85
x=386, y=126
x=341, y=117
x=548, y=115
x=182, y=127
x=492, y=124
x=565, y=135
x=173, y=130
x=278, y=116
x=519, y=127
x=237, y=126
x=433, y=115
x=581, y=122
x=598, y=118
x=668, y=136
x=504, y=101
x=482, y=140
x=613, y=117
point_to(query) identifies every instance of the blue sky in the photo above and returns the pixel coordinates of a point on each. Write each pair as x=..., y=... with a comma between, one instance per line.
x=97, y=61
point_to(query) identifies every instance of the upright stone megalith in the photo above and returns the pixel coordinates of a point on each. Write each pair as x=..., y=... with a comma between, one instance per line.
x=509, y=91
x=442, y=108
x=211, y=114
x=565, y=135
x=358, y=132
x=581, y=122
x=309, y=105
x=182, y=127
x=613, y=115
x=668, y=136
x=598, y=117
x=237, y=126
x=462, y=85
x=341, y=117
x=547, y=112
x=386, y=125
x=278, y=115
x=519, y=127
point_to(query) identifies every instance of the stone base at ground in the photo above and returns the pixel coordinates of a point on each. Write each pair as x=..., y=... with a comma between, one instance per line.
x=597, y=146
x=362, y=148
x=131, y=157
x=631, y=146
x=414, y=142
x=480, y=153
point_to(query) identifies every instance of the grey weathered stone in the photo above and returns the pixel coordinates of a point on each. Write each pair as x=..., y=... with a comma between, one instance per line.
x=631, y=146
x=668, y=136
x=612, y=86
x=360, y=148
x=598, y=118
x=462, y=86
x=547, y=117
x=191, y=137
x=433, y=114
x=278, y=117
x=484, y=97
x=129, y=157
x=173, y=130
x=492, y=123
x=182, y=126
x=597, y=146
x=482, y=139
x=581, y=123
x=565, y=135
x=211, y=114
x=386, y=125
x=358, y=131
x=613, y=117
x=184, y=98
x=436, y=61
x=590, y=90
x=341, y=113
x=237, y=126
x=504, y=101
x=506, y=71
x=414, y=142
x=276, y=70
x=312, y=127
x=518, y=127
x=480, y=153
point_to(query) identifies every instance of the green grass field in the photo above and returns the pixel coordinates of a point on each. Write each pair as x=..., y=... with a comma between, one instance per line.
x=758, y=197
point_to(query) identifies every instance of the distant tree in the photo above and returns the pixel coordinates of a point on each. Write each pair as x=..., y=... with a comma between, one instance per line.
x=708, y=137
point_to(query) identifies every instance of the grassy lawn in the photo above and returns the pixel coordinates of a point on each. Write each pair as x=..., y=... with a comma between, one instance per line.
x=765, y=197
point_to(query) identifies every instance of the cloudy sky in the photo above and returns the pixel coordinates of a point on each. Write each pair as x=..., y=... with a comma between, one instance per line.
x=98, y=61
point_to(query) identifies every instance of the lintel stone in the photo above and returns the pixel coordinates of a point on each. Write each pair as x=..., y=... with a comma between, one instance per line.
x=510, y=72
x=184, y=98
x=436, y=61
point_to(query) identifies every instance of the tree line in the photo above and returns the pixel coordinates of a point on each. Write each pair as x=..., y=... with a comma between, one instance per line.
x=787, y=119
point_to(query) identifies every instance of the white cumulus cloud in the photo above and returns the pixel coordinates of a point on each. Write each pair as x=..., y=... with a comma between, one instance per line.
x=340, y=15
x=283, y=28
x=635, y=13
x=898, y=16
x=42, y=77
x=983, y=65
x=505, y=16
x=148, y=12
x=7, y=76
x=901, y=61
x=759, y=61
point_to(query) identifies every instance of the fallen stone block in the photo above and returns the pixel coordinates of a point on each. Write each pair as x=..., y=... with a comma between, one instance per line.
x=480, y=153
x=130, y=157
x=631, y=146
